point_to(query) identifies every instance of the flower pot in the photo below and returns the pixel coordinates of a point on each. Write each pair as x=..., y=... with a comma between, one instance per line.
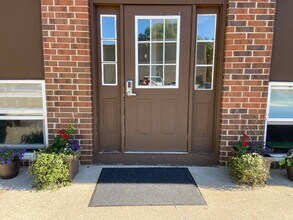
x=9, y=171
x=73, y=162
x=290, y=172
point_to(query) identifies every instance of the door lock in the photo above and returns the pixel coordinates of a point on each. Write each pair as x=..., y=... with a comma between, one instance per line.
x=129, y=88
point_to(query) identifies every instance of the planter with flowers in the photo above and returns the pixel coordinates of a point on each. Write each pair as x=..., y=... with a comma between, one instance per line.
x=9, y=162
x=288, y=162
x=65, y=144
x=250, y=163
x=56, y=165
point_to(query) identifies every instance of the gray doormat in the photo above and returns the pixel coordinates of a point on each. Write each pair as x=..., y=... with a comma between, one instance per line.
x=146, y=186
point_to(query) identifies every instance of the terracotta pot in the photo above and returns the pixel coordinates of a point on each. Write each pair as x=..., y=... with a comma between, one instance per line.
x=290, y=172
x=9, y=171
x=73, y=162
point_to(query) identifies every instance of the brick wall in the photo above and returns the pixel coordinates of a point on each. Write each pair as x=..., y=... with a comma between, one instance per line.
x=248, y=47
x=66, y=44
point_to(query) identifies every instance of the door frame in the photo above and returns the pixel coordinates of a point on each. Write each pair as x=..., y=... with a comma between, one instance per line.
x=200, y=159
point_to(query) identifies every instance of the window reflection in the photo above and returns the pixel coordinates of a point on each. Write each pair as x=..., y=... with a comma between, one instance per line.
x=108, y=27
x=21, y=132
x=206, y=27
x=144, y=29
x=157, y=48
x=281, y=103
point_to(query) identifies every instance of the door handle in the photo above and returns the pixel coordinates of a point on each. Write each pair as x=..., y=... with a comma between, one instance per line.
x=129, y=88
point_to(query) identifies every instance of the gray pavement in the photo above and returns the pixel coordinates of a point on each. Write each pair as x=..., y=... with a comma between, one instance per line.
x=225, y=200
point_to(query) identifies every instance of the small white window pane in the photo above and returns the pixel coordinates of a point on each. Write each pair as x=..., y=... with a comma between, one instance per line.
x=170, y=76
x=157, y=53
x=144, y=75
x=205, y=52
x=171, y=29
x=109, y=50
x=281, y=103
x=109, y=74
x=170, y=53
x=21, y=132
x=143, y=53
x=206, y=27
x=203, y=78
x=157, y=29
x=143, y=32
x=108, y=27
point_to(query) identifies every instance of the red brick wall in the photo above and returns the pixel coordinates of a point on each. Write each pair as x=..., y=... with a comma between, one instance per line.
x=248, y=49
x=66, y=44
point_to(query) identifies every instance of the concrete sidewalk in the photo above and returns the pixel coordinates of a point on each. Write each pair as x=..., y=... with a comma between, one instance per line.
x=225, y=200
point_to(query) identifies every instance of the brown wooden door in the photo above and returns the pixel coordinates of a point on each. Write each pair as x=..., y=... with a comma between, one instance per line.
x=157, y=60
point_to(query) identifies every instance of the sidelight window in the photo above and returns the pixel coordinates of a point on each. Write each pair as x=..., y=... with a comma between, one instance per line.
x=157, y=51
x=23, y=114
x=205, y=51
x=108, y=50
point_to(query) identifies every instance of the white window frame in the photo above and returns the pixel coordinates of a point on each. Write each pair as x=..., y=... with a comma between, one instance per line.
x=276, y=121
x=163, y=17
x=214, y=49
x=102, y=51
x=43, y=117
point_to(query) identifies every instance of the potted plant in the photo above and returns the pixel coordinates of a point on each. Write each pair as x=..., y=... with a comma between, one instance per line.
x=9, y=162
x=247, y=145
x=288, y=162
x=65, y=144
x=250, y=163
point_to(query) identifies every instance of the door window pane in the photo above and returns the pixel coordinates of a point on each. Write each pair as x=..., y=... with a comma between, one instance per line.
x=170, y=75
x=109, y=50
x=143, y=31
x=171, y=29
x=108, y=26
x=170, y=53
x=144, y=75
x=157, y=29
x=157, y=76
x=143, y=53
x=281, y=103
x=203, y=78
x=205, y=51
x=206, y=27
x=158, y=52
x=109, y=71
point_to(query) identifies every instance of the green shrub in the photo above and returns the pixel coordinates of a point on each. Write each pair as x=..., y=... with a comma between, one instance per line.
x=249, y=169
x=49, y=171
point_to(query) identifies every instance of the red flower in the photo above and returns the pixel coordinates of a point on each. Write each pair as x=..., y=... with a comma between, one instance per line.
x=60, y=131
x=244, y=143
x=64, y=136
x=245, y=135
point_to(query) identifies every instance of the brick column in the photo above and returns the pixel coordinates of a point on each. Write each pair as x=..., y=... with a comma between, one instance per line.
x=248, y=49
x=66, y=43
